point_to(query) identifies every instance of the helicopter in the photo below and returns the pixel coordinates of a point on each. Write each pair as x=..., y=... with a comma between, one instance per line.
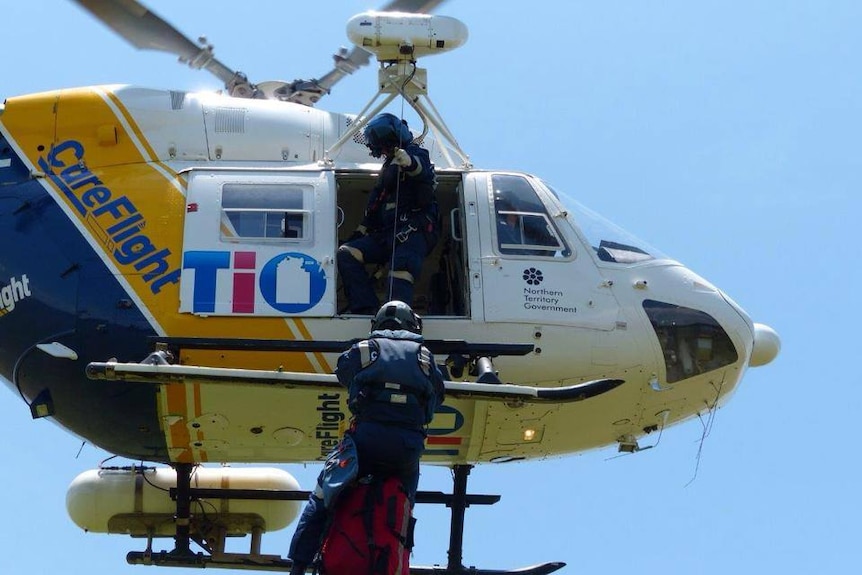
x=142, y=191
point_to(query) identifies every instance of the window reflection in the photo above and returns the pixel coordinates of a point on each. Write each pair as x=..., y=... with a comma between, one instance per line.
x=264, y=211
x=522, y=222
x=691, y=341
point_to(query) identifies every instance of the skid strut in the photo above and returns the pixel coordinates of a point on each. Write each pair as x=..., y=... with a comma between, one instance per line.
x=182, y=540
x=456, y=526
x=182, y=555
x=458, y=503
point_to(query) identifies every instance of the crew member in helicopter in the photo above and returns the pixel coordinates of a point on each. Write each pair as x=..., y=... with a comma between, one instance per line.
x=394, y=387
x=516, y=229
x=401, y=218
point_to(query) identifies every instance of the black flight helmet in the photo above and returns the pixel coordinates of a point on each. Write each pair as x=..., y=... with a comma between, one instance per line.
x=396, y=315
x=386, y=131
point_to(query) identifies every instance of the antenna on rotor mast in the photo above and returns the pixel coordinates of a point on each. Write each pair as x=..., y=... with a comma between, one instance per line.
x=397, y=39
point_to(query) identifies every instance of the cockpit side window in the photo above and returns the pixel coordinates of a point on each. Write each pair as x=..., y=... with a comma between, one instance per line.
x=265, y=212
x=523, y=225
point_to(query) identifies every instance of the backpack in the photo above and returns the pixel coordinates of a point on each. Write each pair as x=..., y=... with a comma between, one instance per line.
x=371, y=532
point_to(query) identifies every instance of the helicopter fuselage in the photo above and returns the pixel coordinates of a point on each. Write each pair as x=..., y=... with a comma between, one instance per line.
x=129, y=215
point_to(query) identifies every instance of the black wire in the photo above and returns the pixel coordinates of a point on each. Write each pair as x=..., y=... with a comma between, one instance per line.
x=707, y=429
x=102, y=463
x=398, y=185
x=151, y=484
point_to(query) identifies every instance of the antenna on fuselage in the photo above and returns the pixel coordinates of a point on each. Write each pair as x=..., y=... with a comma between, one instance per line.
x=398, y=39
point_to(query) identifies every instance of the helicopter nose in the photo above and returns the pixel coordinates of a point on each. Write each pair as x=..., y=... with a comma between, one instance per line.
x=767, y=344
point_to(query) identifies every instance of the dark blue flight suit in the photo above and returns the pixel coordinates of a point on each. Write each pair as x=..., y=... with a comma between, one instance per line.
x=401, y=211
x=394, y=387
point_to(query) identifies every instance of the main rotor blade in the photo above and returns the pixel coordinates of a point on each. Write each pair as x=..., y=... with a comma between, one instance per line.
x=416, y=6
x=147, y=31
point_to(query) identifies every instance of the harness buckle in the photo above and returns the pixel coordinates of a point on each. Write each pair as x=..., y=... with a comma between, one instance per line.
x=405, y=233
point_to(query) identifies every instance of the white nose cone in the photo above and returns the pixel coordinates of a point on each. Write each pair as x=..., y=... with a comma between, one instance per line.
x=767, y=344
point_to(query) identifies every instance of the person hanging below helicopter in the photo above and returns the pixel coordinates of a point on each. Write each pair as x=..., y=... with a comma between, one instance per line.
x=400, y=225
x=394, y=387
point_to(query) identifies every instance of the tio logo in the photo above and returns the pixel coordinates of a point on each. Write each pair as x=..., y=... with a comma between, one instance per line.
x=290, y=282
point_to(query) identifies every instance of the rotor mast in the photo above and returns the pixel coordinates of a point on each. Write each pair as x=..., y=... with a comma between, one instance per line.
x=398, y=39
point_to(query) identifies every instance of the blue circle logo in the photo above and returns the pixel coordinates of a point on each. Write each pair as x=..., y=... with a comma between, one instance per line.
x=292, y=282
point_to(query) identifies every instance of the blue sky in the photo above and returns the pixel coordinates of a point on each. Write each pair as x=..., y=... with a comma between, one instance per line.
x=727, y=134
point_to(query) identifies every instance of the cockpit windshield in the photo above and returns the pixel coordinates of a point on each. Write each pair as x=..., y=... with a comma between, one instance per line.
x=610, y=242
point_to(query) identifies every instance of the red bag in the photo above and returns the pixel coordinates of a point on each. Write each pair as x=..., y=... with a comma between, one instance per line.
x=371, y=532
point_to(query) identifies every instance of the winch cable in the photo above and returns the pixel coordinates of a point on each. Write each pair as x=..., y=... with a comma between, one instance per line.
x=398, y=188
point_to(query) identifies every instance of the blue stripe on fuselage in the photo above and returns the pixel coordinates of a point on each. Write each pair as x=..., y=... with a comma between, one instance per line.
x=72, y=297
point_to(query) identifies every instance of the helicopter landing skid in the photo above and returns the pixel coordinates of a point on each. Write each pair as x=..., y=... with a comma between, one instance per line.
x=182, y=556
x=541, y=569
x=459, y=502
x=241, y=561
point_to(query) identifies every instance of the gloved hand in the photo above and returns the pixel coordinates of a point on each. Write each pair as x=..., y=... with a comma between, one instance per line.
x=361, y=231
x=401, y=158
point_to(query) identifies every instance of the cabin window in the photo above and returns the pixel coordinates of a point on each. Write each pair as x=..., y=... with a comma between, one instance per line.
x=265, y=212
x=523, y=225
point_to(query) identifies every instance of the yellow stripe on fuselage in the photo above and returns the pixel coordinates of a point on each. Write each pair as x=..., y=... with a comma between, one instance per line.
x=131, y=126
x=98, y=164
x=306, y=335
x=127, y=203
x=173, y=410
